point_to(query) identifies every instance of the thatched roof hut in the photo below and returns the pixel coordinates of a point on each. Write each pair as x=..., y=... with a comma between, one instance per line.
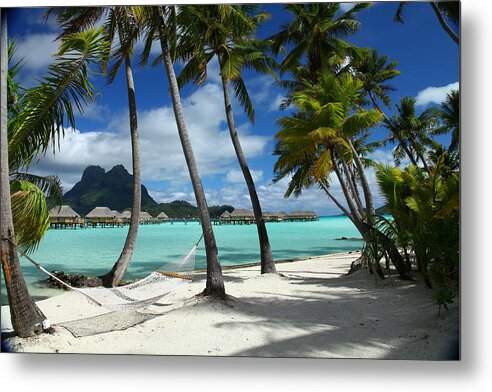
x=145, y=216
x=242, y=214
x=63, y=212
x=303, y=214
x=126, y=215
x=225, y=215
x=162, y=216
x=274, y=215
x=100, y=213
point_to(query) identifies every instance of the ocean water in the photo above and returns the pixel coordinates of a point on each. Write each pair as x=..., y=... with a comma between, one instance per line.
x=93, y=251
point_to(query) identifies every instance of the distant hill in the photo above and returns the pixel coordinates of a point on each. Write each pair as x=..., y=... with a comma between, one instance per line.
x=99, y=188
x=182, y=209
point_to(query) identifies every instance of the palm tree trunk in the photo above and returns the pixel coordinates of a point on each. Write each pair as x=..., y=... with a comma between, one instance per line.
x=346, y=191
x=365, y=184
x=114, y=277
x=353, y=189
x=27, y=318
x=267, y=264
x=443, y=23
x=215, y=281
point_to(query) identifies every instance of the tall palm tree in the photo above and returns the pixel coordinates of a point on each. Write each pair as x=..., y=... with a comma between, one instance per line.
x=27, y=318
x=160, y=23
x=316, y=36
x=226, y=32
x=31, y=131
x=120, y=24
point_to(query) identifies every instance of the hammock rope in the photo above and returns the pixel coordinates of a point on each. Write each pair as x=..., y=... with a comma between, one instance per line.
x=136, y=295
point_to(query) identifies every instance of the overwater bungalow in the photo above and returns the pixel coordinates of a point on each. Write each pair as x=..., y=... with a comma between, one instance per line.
x=274, y=216
x=62, y=217
x=225, y=216
x=162, y=217
x=102, y=216
x=301, y=215
x=145, y=218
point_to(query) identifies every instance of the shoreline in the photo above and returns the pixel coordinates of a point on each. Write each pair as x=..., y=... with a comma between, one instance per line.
x=310, y=309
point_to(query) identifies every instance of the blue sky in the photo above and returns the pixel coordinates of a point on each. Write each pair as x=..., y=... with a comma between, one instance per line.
x=427, y=58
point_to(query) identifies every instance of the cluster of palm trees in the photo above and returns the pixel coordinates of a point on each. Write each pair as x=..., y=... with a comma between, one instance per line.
x=338, y=94
x=336, y=91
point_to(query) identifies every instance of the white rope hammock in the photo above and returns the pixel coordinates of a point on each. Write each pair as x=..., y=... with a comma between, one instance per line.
x=137, y=295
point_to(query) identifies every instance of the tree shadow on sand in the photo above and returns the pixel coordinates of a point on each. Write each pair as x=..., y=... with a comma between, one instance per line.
x=349, y=317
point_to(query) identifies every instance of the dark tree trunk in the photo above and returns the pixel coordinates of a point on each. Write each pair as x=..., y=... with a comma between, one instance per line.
x=443, y=23
x=114, y=277
x=365, y=184
x=27, y=318
x=267, y=264
x=215, y=281
x=390, y=249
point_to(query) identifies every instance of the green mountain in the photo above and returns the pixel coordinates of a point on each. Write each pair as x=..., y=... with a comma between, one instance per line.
x=99, y=188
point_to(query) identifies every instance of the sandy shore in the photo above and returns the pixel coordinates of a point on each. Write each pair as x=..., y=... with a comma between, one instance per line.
x=312, y=309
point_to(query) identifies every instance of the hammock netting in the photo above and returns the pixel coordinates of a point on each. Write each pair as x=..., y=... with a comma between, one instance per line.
x=139, y=294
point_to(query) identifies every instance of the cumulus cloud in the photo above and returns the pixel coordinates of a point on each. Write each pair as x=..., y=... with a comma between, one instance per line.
x=36, y=52
x=435, y=94
x=236, y=176
x=161, y=152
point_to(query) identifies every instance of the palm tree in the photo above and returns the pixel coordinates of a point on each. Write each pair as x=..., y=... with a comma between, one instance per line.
x=374, y=72
x=321, y=139
x=411, y=132
x=30, y=193
x=37, y=124
x=449, y=114
x=160, y=23
x=425, y=210
x=226, y=32
x=119, y=22
x=316, y=33
x=445, y=11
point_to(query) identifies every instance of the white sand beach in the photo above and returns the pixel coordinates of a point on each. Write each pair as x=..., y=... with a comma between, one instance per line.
x=311, y=309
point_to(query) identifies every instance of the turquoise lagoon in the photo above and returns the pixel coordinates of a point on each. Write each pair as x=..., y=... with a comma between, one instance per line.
x=93, y=251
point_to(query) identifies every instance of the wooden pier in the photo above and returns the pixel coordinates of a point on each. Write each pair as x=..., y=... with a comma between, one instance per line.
x=246, y=217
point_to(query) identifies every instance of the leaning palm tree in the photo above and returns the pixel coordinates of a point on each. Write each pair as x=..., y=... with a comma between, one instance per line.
x=226, y=32
x=119, y=26
x=37, y=125
x=160, y=24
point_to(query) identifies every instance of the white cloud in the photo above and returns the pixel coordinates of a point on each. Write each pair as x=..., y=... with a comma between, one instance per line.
x=161, y=152
x=236, y=176
x=276, y=103
x=36, y=51
x=435, y=94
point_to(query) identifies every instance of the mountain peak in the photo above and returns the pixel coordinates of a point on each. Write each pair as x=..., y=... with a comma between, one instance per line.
x=113, y=189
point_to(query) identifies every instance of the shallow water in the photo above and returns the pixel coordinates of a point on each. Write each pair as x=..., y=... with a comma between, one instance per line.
x=93, y=251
